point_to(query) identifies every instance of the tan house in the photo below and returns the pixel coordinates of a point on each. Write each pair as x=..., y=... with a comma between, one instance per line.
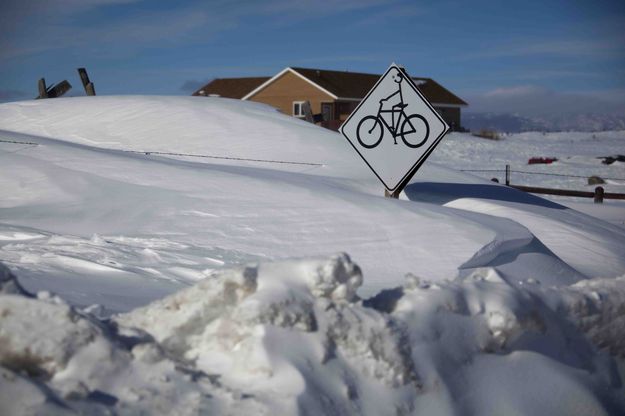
x=332, y=94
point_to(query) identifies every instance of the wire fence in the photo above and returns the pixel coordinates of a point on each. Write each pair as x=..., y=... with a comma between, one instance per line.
x=536, y=173
x=159, y=153
x=18, y=142
x=286, y=162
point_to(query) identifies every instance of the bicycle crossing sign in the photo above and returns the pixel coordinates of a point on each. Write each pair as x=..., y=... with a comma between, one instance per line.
x=394, y=128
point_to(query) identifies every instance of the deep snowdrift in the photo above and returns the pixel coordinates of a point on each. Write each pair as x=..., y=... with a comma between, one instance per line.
x=78, y=204
x=519, y=309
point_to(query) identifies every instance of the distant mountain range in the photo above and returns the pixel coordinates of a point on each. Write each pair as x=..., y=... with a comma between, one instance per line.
x=513, y=123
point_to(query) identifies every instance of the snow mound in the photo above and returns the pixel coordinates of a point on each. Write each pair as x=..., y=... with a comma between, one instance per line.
x=598, y=306
x=293, y=337
x=291, y=331
x=103, y=204
x=85, y=197
x=205, y=125
x=58, y=336
x=55, y=359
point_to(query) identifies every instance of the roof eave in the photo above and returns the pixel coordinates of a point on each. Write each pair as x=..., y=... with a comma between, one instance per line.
x=278, y=75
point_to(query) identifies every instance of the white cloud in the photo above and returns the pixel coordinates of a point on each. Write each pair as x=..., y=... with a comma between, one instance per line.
x=517, y=91
x=532, y=101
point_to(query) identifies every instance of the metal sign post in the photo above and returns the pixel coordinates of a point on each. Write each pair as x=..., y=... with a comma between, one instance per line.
x=394, y=129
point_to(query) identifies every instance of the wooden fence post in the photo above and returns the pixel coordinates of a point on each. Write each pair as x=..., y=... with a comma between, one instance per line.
x=43, y=92
x=598, y=198
x=90, y=89
x=507, y=175
x=59, y=89
x=86, y=83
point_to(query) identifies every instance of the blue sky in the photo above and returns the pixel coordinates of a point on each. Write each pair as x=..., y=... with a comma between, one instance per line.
x=524, y=57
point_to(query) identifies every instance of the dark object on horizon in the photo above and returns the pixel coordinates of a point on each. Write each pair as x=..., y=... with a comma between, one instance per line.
x=86, y=83
x=541, y=160
x=608, y=160
x=595, y=180
x=487, y=134
x=54, y=91
x=494, y=180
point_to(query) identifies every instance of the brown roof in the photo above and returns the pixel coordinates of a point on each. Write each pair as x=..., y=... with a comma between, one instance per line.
x=231, y=87
x=357, y=85
x=340, y=83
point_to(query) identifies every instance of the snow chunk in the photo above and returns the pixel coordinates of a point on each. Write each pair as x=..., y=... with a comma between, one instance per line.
x=44, y=351
x=337, y=279
x=272, y=326
x=56, y=360
x=598, y=307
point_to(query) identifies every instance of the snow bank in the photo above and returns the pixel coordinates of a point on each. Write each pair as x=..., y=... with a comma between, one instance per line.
x=294, y=338
x=198, y=125
x=513, y=319
x=95, y=224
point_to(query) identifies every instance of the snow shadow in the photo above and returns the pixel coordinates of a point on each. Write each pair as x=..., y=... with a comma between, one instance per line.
x=442, y=193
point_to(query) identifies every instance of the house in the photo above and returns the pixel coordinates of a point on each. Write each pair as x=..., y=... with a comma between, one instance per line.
x=333, y=94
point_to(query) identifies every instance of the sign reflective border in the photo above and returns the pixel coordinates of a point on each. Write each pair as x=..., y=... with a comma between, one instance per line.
x=394, y=128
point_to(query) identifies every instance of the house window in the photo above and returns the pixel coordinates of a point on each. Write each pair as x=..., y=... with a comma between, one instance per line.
x=298, y=109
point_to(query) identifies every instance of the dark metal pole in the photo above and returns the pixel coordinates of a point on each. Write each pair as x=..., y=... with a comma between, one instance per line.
x=394, y=194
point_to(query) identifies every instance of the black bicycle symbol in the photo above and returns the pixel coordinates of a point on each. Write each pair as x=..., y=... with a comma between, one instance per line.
x=414, y=130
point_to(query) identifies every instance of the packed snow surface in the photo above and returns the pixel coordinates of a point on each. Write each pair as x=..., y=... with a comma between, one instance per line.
x=183, y=256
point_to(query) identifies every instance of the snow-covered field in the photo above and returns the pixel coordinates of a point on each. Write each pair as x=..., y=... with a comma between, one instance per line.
x=172, y=284
x=578, y=157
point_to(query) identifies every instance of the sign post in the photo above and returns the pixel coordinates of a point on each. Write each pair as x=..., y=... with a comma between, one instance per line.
x=394, y=129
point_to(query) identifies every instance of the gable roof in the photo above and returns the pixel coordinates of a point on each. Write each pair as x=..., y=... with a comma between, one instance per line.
x=231, y=87
x=338, y=84
x=356, y=85
x=278, y=75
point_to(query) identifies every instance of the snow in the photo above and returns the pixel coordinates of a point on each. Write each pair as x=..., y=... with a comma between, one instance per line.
x=578, y=155
x=167, y=283
x=293, y=337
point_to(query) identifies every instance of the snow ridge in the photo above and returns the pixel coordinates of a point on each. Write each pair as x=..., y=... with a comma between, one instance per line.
x=294, y=338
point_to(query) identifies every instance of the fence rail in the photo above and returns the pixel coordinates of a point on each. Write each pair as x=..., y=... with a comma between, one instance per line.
x=537, y=173
x=598, y=195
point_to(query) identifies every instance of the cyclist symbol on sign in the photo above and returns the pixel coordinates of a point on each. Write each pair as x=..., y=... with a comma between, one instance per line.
x=413, y=129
